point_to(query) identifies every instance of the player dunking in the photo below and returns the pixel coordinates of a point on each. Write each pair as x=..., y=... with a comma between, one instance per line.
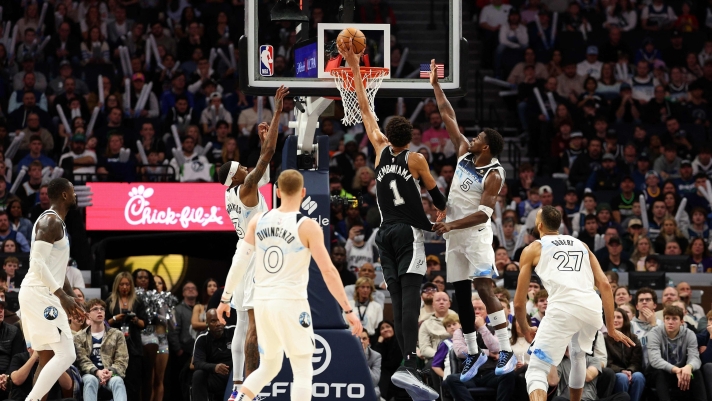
x=569, y=271
x=468, y=232
x=44, y=302
x=400, y=239
x=244, y=201
x=283, y=242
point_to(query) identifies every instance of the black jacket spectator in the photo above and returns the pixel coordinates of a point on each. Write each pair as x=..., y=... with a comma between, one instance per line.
x=21, y=387
x=11, y=342
x=212, y=348
x=585, y=164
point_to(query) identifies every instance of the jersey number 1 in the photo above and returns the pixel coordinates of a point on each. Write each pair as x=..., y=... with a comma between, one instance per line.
x=569, y=261
x=397, y=199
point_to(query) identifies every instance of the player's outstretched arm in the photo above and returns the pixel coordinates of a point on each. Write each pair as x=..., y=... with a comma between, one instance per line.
x=609, y=306
x=526, y=264
x=493, y=183
x=268, y=133
x=313, y=238
x=378, y=140
x=447, y=113
x=418, y=165
x=49, y=230
x=243, y=254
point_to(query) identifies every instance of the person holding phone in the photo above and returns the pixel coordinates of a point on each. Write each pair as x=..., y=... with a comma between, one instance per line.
x=358, y=250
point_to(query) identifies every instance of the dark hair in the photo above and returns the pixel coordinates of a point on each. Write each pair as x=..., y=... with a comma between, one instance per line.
x=626, y=322
x=646, y=290
x=672, y=310
x=551, y=217
x=399, y=131
x=494, y=140
x=206, y=297
x=590, y=217
x=221, y=123
x=151, y=283
x=93, y=302
x=165, y=287
x=56, y=187
x=10, y=203
x=589, y=195
x=388, y=322
x=35, y=138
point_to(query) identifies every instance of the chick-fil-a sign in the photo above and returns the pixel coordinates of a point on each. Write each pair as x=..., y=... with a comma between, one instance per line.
x=161, y=207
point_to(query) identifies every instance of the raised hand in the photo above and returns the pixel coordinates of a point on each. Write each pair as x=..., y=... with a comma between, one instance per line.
x=347, y=52
x=433, y=73
x=282, y=92
x=263, y=128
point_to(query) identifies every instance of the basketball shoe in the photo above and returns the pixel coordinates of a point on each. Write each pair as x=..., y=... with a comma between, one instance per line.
x=409, y=379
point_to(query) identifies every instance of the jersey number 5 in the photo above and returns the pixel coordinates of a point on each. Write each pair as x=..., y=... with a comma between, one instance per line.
x=569, y=261
x=465, y=186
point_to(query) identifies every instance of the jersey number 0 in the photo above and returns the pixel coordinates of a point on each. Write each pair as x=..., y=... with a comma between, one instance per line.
x=569, y=261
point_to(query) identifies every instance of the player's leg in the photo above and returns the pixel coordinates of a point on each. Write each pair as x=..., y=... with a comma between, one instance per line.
x=64, y=356
x=582, y=341
x=252, y=353
x=393, y=284
x=238, y=348
x=552, y=337
x=303, y=370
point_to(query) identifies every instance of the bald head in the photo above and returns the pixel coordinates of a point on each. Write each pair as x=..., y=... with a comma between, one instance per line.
x=367, y=270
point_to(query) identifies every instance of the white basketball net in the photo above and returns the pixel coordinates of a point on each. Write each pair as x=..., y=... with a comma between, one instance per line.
x=372, y=78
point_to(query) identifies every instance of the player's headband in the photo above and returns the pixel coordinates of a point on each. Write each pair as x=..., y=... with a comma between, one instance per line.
x=233, y=169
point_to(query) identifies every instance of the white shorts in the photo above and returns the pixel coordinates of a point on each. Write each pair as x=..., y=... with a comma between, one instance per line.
x=469, y=254
x=245, y=291
x=284, y=326
x=558, y=329
x=43, y=318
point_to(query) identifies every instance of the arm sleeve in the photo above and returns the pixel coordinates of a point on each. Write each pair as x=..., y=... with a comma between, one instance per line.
x=38, y=263
x=242, y=256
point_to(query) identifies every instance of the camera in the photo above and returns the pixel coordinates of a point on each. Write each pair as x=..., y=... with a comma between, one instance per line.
x=345, y=202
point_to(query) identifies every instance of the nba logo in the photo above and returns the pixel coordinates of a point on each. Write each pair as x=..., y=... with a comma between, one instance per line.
x=266, y=60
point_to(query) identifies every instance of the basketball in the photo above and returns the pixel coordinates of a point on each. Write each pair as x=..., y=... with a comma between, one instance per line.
x=358, y=39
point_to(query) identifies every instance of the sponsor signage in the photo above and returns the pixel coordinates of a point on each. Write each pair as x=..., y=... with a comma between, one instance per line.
x=161, y=207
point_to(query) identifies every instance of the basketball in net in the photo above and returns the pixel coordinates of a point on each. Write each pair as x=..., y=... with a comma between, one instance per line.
x=358, y=39
x=371, y=77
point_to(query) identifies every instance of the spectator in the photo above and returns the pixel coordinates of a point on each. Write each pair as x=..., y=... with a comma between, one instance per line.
x=18, y=118
x=529, y=204
x=39, y=208
x=373, y=360
x=591, y=66
x=170, y=97
x=625, y=109
x=36, y=154
x=64, y=46
x=248, y=117
x=358, y=251
x=645, y=321
x=616, y=261
x=74, y=275
x=517, y=75
x=573, y=151
x=698, y=227
x=652, y=263
x=669, y=233
x=674, y=358
x=622, y=296
x=697, y=107
x=28, y=82
x=7, y=232
x=150, y=109
x=546, y=195
x=28, y=65
x=643, y=83
x=34, y=128
x=622, y=205
x=18, y=221
x=559, y=377
x=607, y=178
x=214, y=114
x=678, y=87
x=630, y=237
x=686, y=22
x=432, y=331
x=657, y=16
x=685, y=184
x=674, y=55
x=212, y=359
x=29, y=190
x=694, y=311
x=492, y=18
x=512, y=35
x=521, y=188
x=181, y=341
x=699, y=255
x=370, y=313
x=436, y=134
x=427, y=294
x=590, y=229
x=102, y=355
x=113, y=165
x=541, y=302
x=338, y=258
x=367, y=271
x=586, y=163
x=119, y=27
x=95, y=51
x=659, y=109
x=609, y=51
x=570, y=83
x=23, y=369
x=126, y=312
x=84, y=160
x=67, y=96
x=387, y=346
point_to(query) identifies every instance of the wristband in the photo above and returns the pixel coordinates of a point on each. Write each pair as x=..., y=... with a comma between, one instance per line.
x=222, y=301
x=346, y=312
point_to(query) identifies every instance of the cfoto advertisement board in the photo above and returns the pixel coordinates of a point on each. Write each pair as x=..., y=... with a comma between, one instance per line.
x=161, y=207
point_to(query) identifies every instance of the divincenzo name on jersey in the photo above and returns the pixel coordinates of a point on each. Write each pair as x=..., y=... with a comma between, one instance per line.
x=275, y=232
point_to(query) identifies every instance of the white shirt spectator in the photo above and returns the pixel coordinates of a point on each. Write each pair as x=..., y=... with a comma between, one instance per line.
x=196, y=169
x=592, y=70
x=514, y=39
x=378, y=296
x=495, y=16
x=248, y=118
x=80, y=171
x=75, y=277
x=357, y=256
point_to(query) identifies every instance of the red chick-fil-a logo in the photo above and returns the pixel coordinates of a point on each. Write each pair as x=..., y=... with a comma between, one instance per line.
x=138, y=212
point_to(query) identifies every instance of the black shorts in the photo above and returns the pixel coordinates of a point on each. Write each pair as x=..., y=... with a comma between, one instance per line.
x=402, y=250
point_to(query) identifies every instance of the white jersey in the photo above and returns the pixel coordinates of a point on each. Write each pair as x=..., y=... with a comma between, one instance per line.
x=468, y=185
x=282, y=261
x=565, y=271
x=239, y=213
x=58, y=258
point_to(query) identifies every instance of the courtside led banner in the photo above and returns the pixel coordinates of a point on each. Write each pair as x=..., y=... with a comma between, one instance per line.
x=148, y=206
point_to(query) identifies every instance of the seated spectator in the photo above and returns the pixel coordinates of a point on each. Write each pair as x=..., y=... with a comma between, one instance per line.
x=530, y=203
x=84, y=160
x=607, y=178
x=28, y=82
x=102, y=355
x=368, y=271
x=621, y=295
x=338, y=258
x=591, y=66
x=679, y=369
x=36, y=154
x=95, y=50
x=387, y=346
x=541, y=300
x=33, y=128
x=559, y=377
x=616, y=261
x=22, y=370
x=441, y=364
x=626, y=362
x=669, y=233
x=427, y=294
x=114, y=165
x=358, y=251
x=39, y=208
x=370, y=313
x=512, y=35
x=170, y=97
x=215, y=113
x=570, y=83
x=492, y=17
x=373, y=360
x=150, y=108
x=212, y=359
x=657, y=16
x=546, y=195
x=7, y=232
x=17, y=119
x=29, y=189
x=248, y=117
x=619, y=19
x=432, y=332
x=17, y=220
x=697, y=107
x=74, y=275
x=518, y=74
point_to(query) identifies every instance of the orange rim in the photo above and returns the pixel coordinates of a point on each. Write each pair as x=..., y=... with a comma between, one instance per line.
x=366, y=73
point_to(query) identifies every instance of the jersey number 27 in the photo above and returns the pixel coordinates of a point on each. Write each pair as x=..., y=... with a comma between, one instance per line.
x=569, y=261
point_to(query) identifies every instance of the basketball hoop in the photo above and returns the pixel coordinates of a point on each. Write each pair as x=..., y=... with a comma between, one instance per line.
x=344, y=77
